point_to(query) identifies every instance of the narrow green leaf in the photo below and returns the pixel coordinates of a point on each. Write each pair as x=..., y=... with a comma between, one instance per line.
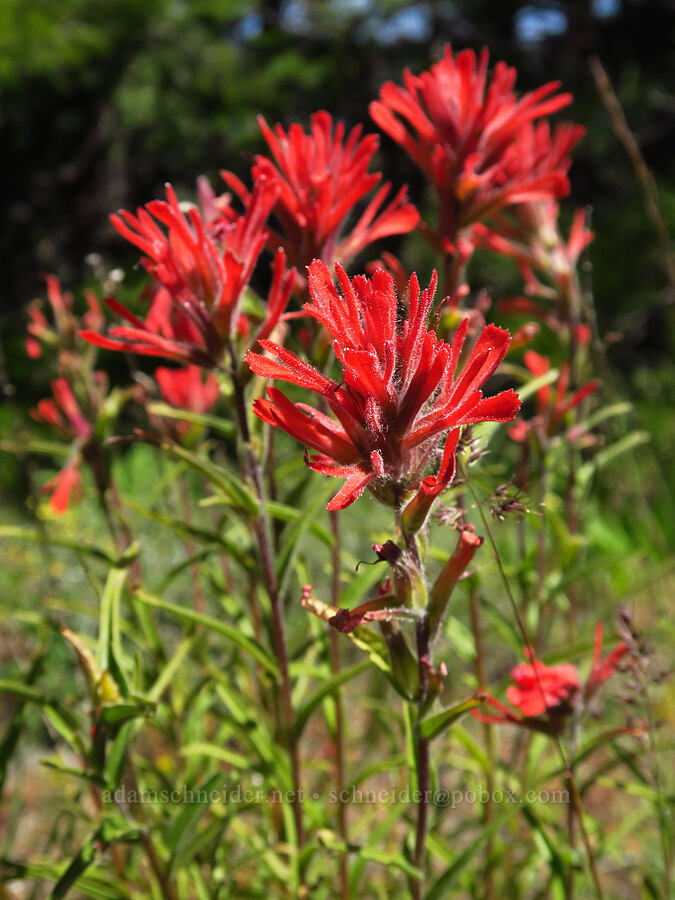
x=230, y=632
x=182, y=834
x=441, y=888
x=122, y=712
x=36, y=537
x=230, y=485
x=286, y=513
x=360, y=584
x=329, y=687
x=434, y=725
x=109, y=616
x=111, y=829
x=215, y=423
x=169, y=671
x=213, y=751
x=116, y=755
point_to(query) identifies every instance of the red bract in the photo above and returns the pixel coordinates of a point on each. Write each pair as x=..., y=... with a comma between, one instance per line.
x=473, y=137
x=64, y=415
x=322, y=176
x=204, y=272
x=553, y=690
x=553, y=405
x=399, y=391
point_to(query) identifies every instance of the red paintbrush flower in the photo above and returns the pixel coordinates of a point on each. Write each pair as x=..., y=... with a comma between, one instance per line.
x=62, y=334
x=602, y=669
x=399, y=393
x=553, y=690
x=553, y=405
x=63, y=414
x=473, y=137
x=531, y=236
x=203, y=270
x=322, y=175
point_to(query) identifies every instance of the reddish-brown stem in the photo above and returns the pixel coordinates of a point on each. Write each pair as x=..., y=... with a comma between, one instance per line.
x=453, y=275
x=339, y=717
x=261, y=529
x=423, y=763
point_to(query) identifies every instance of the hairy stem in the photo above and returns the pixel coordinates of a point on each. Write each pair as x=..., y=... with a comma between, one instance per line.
x=423, y=763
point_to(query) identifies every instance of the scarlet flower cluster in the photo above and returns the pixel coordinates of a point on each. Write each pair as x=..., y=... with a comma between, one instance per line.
x=539, y=689
x=475, y=139
x=63, y=414
x=400, y=389
x=203, y=272
x=321, y=178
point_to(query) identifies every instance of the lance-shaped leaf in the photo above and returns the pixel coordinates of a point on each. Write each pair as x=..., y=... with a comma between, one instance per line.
x=215, y=423
x=112, y=828
x=434, y=725
x=230, y=632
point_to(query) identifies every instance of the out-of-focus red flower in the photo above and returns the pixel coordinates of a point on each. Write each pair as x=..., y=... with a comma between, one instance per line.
x=474, y=138
x=203, y=271
x=552, y=404
x=531, y=236
x=186, y=389
x=63, y=412
x=602, y=669
x=64, y=415
x=322, y=175
x=62, y=334
x=539, y=689
x=399, y=394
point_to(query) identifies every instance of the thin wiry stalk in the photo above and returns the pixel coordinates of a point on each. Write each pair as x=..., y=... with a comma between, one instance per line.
x=423, y=764
x=262, y=533
x=642, y=173
x=339, y=715
x=568, y=774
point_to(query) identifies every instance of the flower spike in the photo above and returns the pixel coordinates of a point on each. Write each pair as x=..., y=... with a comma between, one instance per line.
x=399, y=392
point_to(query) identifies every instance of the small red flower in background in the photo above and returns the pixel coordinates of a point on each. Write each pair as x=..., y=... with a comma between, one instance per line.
x=203, y=271
x=322, y=176
x=553, y=690
x=473, y=137
x=186, y=389
x=553, y=405
x=399, y=391
x=62, y=335
x=531, y=236
x=602, y=669
x=63, y=413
